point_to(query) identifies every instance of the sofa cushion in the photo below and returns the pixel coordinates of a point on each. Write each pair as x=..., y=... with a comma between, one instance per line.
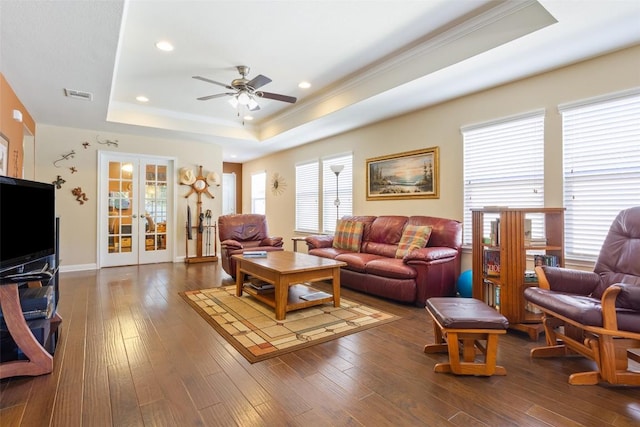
x=329, y=252
x=390, y=267
x=357, y=261
x=348, y=235
x=385, y=235
x=413, y=237
x=582, y=309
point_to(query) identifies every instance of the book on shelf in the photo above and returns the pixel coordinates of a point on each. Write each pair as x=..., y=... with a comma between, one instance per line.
x=315, y=296
x=548, y=260
x=527, y=232
x=262, y=287
x=491, y=265
x=259, y=284
x=495, y=232
x=530, y=276
x=491, y=293
x=254, y=254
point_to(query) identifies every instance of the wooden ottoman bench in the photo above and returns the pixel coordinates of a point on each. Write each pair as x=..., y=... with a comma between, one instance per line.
x=467, y=321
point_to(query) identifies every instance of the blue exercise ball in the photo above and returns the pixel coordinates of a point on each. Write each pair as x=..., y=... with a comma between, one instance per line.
x=464, y=284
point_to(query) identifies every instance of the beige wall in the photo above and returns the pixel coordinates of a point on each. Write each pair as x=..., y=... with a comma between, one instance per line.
x=440, y=126
x=435, y=126
x=78, y=222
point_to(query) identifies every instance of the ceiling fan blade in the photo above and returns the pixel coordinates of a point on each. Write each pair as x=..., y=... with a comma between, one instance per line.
x=218, y=95
x=204, y=79
x=277, y=97
x=258, y=81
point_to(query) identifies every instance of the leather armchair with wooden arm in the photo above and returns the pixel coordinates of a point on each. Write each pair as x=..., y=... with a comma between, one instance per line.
x=596, y=314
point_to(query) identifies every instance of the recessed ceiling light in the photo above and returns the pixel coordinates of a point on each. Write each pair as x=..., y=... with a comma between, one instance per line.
x=248, y=117
x=142, y=98
x=304, y=85
x=233, y=156
x=164, y=46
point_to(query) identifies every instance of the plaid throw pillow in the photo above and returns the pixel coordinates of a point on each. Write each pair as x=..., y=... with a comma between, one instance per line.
x=413, y=237
x=348, y=235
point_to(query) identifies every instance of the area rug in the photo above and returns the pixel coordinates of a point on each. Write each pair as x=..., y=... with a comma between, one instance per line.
x=251, y=327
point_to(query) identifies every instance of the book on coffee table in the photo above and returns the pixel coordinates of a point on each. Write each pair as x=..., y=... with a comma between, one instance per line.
x=315, y=296
x=254, y=254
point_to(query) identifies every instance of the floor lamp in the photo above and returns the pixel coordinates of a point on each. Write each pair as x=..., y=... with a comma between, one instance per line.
x=337, y=169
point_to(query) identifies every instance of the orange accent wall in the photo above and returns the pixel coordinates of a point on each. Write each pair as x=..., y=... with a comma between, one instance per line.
x=13, y=130
x=237, y=168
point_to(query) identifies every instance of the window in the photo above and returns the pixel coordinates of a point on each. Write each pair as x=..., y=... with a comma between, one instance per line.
x=332, y=210
x=601, y=154
x=307, y=201
x=315, y=200
x=504, y=166
x=258, y=190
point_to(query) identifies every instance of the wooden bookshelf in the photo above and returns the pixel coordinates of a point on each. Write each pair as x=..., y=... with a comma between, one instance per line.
x=502, y=286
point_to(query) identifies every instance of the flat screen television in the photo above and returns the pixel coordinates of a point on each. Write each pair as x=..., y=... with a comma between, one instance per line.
x=27, y=222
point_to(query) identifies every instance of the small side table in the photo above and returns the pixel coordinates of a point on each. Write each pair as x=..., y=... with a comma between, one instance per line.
x=295, y=240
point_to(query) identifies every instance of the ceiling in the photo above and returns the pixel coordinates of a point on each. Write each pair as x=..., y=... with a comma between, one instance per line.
x=366, y=60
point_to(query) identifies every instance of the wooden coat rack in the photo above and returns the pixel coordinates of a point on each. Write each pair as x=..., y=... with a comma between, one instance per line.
x=200, y=186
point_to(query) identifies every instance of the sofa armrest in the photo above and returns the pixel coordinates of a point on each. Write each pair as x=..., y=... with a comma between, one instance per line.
x=430, y=254
x=272, y=241
x=567, y=280
x=320, y=241
x=231, y=244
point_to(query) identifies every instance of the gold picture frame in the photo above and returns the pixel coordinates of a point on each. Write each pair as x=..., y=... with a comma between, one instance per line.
x=409, y=175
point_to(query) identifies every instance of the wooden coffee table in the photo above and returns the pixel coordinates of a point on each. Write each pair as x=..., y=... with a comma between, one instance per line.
x=288, y=271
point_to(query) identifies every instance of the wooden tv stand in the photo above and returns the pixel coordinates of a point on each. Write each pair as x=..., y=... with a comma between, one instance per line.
x=40, y=361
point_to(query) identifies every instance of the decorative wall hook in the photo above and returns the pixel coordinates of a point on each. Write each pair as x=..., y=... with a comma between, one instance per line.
x=67, y=156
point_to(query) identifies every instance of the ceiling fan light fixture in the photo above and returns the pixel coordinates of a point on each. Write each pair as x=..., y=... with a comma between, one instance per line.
x=252, y=104
x=244, y=98
x=233, y=101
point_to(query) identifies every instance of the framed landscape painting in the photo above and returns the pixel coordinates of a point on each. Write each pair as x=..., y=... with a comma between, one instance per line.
x=408, y=175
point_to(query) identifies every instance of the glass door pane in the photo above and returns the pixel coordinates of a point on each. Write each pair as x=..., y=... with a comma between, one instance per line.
x=155, y=207
x=120, y=207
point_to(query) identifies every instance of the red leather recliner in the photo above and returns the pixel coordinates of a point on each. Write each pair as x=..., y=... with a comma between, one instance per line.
x=244, y=232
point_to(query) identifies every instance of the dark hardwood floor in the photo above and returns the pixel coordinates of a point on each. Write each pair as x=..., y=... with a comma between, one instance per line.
x=133, y=353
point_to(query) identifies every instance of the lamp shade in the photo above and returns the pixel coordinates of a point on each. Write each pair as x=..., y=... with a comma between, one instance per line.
x=244, y=98
x=337, y=168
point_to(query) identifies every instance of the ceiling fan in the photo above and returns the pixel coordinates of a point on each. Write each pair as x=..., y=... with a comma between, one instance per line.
x=245, y=91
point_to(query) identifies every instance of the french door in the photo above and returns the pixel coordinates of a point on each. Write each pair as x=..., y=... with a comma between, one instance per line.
x=135, y=209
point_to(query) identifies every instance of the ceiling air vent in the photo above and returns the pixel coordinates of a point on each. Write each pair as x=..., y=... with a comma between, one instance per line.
x=87, y=96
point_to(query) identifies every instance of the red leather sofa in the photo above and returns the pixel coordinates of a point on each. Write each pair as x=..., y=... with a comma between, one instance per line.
x=423, y=273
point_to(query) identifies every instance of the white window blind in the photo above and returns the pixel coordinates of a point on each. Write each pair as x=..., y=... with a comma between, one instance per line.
x=307, y=197
x=258, y=190
x=504, y=166
x=601, y=146
x=344, y=188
